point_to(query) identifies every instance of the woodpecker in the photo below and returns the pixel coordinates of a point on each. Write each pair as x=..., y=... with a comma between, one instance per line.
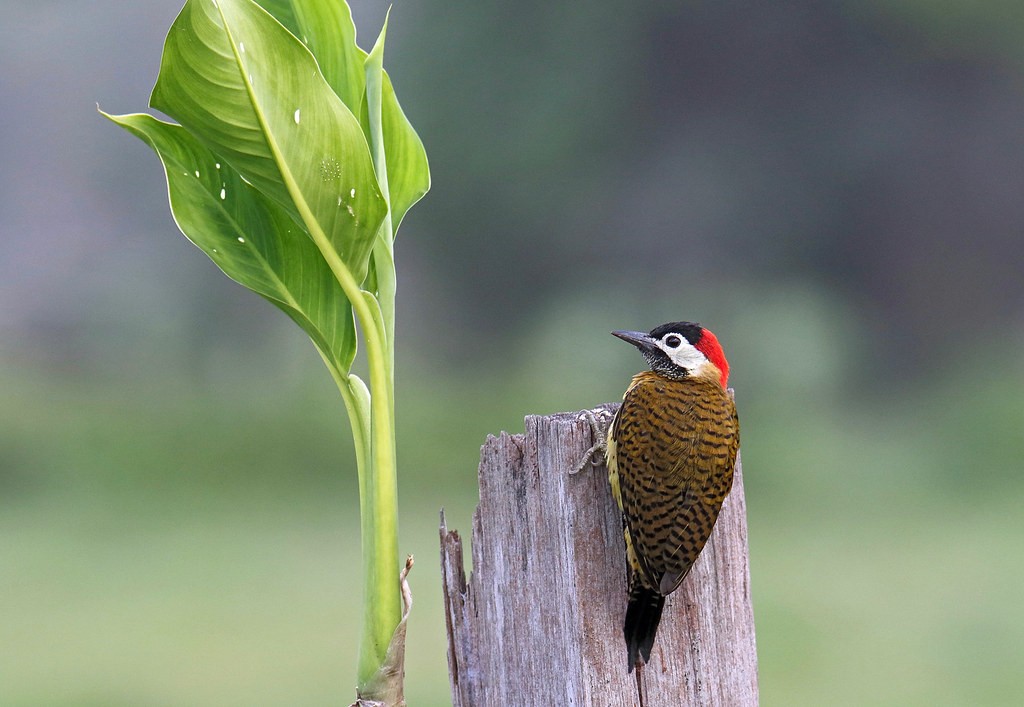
x=670, y=451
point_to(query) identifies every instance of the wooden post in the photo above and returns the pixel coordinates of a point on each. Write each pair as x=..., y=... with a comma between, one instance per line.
x=540, y=620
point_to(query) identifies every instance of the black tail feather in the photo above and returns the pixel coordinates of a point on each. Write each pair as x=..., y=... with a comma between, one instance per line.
x=642, y=617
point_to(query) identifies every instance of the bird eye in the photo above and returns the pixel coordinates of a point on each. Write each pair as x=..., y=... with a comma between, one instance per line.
x=673, y=341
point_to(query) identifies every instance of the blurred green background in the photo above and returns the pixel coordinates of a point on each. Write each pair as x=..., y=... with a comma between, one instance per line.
x=834, y=188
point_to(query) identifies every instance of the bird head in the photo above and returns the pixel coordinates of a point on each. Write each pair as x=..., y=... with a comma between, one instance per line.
x=679, y=350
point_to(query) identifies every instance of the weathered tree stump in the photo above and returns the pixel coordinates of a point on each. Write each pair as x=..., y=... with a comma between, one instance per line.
x=540, y=620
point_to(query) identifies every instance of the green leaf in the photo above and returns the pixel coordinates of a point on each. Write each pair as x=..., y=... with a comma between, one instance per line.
x=249, y=90
x=271, y=174
x=407, y=175
x=327, y=29
x=252, y=239
x=408, y=171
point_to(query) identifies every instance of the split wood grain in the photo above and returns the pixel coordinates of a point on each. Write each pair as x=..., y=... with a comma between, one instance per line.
x=539, y=622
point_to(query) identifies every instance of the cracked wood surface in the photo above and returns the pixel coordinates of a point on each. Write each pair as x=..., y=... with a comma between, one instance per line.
x=539, y=622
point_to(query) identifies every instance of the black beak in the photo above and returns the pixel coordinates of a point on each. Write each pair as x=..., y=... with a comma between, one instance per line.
x=639, y=339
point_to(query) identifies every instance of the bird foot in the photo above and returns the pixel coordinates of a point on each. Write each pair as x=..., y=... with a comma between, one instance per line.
x=600, y=430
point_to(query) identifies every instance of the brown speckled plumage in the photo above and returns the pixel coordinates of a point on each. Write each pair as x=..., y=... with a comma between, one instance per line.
x=671, y=452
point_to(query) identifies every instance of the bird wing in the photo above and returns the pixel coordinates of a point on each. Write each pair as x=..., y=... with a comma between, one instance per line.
x=703, y=474
x=637, y=562
x=673, y=463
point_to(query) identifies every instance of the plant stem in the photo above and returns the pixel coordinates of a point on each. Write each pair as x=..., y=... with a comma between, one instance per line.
x=378, y=475
x=382, y=603
x=384, y=490
x=357, y=404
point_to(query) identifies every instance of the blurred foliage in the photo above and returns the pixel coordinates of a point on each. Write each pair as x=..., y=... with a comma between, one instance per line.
x=833, y=188
x=198, y=549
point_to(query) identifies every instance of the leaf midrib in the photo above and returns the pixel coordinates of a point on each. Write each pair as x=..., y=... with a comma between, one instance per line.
x=301, y=205
x=282, y=288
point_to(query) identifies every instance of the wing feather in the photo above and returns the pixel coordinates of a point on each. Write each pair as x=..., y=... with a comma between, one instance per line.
x=672, y=448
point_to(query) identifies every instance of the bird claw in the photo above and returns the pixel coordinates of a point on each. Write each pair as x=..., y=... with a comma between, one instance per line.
x=600, y=445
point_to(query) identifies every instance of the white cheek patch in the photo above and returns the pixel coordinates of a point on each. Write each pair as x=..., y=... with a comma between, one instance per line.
x=686, y=356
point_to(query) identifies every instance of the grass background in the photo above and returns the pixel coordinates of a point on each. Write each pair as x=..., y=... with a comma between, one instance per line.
x=170, y=542
x=833, y=188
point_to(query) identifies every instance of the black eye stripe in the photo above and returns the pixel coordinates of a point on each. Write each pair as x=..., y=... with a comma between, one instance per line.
x=687, y=330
